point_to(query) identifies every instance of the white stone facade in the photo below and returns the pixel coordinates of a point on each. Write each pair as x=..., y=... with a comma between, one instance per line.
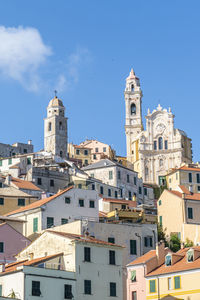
x=158, y=148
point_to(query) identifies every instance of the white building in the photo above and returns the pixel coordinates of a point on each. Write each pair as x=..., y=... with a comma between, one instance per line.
x=158, y=148
x=92, y=267
x=65, y=206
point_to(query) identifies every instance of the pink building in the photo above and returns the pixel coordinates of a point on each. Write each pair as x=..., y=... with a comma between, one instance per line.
x=11, y=243
x=137, y=270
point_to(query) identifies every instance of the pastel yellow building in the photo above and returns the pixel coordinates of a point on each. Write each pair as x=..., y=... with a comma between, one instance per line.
x=187, y=175
x=179, y=213
x=177, y=278
x=81, y=153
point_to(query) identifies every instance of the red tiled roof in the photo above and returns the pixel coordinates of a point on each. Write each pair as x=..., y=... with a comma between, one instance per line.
x=144, y=258
x=121, y=201
x=39, y=203
x=24, y=184
x=193, y=196
x=179, y=266
x=13, y=266
x=189, y=168
x=83, y=238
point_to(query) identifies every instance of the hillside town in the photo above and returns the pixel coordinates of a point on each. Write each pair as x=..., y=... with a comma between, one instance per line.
x=83, y=222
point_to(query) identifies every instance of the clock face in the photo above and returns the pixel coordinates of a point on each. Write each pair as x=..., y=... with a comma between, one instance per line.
x=160, y=128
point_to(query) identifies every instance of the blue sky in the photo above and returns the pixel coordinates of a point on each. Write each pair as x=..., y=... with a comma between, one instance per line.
x=85, y=50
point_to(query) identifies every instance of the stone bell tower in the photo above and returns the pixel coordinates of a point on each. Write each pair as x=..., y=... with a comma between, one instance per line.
x=55, y=129
x=133, y=102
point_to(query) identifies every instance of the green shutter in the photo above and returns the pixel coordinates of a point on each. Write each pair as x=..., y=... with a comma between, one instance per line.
x=35, y=224
x=160, y=220
x=0, y=290
x=152, y=286
x=1, y=163
x=133, y=247
x=133, y=275
x=177, y=282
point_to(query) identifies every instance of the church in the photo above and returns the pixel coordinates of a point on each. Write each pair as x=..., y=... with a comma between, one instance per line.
x=160, y=147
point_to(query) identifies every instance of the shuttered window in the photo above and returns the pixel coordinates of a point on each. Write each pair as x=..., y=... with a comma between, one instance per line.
x=177, y=282
x=133, y=247
x=50, y=222
x=152, y=286
x=35, y=224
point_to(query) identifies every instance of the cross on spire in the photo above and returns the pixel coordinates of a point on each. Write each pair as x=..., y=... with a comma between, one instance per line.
x=55, y=93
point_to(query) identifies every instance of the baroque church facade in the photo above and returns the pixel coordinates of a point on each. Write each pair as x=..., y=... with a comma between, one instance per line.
x=160, y=147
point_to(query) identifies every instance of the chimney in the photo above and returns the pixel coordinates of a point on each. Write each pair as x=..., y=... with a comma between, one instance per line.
x=8, y=180
x=160, y=252
x=191, y=189
x=2, y=268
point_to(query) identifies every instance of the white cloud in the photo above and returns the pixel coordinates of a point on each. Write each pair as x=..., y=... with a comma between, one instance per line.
x=22, y=52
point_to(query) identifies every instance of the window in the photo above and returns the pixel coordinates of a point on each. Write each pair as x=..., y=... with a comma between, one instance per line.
x=161, y=162
x=50, y=222
x=166, y=145
x=87, y=287
x=111, y=257
x=80, y=186
x=0, y=290
x=198, y=178
x=190, y=213
x=176, y=176
x=169, y=283
x=35, y=224
x=28, y=160
x=85, y=152
x=86, y=162
x=148, y=241
x=64, y=221
x=96, y=149
x=68, y=291
x=81, y=202
x=67, y=200
x=109, y=192
x=111, y=240
x=10, y=161
x=177, y=282
x=1, y=247
x=25, y=151
x=133, y=247
x=129, y=195
x=91, y=203
x=152, y=286
x=168, y=260
x=145, y=191
x=94, y=156
x=1, y=163
x=49, y=126
x=39, y=181
x=101, y=190
x=60, y=126
x=190, y=177
x=155, y=145
x=113, y=292
x=36, y=288
x=1, y=201
x=77, y=151
x=61, y=154
x=135, y=180
x=118, y=175
x=190, y=255
x=104, y=149
x=159, y=202
x=123, y=206
x=110, y=174
x=160, y=219
x=133, y=275
x=1, y=184
x=87, y=256
x=128, y=178
x=93, y=187
x=133, y=109
x=51, y=182
x=115, y=194
x=92, y=175
x=132, y=87
x=140, y=190
x=134, y=295
x=21, y=202
x=160, y=143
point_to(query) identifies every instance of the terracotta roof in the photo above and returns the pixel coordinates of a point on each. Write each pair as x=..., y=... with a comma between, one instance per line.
x=189, y=168
x=194, y=196
x=12, y=191
x=184, y=189
x=39, y=203
x=144, y=258
x=13, y=266
x=179, y=266
x=81, y=147
x=24, y=184
x=84, y=239
x=121, y=201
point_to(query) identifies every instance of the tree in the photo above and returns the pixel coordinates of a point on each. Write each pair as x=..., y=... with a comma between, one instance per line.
x=188, y=243
x=162, y=235
x=175, y=243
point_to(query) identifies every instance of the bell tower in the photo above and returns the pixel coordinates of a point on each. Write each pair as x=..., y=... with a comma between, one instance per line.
x=55, y=129
x=133, y=102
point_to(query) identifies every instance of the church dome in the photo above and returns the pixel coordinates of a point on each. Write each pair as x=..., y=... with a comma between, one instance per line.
x=55, y=102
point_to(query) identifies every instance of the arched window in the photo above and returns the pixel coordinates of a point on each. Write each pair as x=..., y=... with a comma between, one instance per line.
x=161, y=162
x=166, y=144
x=61, y=154
x=133, y=109
x=160, y=143
x=132, y=88
x=49, y=127
x=60, y=126
x=146, y=172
